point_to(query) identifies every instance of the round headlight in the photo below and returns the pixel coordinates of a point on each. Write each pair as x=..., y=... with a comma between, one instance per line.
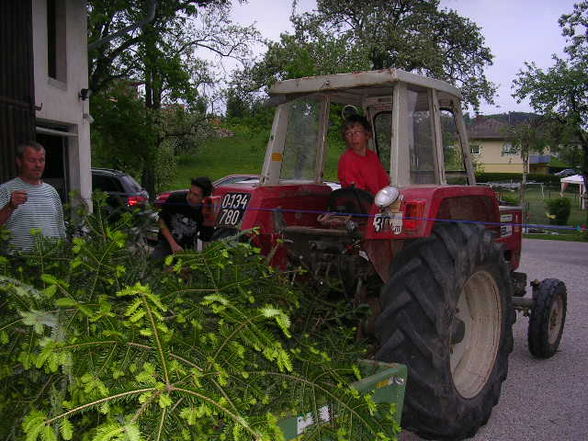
x=386, y=196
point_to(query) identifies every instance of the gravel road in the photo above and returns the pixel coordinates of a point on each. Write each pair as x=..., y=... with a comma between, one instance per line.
x=546, y=400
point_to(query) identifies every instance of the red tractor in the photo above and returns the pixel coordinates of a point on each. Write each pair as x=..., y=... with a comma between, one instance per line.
x=444, y=250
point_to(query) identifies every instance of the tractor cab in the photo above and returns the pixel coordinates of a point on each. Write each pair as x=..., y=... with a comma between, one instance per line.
x=418, y=130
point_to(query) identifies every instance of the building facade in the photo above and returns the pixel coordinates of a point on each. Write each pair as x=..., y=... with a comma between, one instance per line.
x=57, y=96
x=493, y=151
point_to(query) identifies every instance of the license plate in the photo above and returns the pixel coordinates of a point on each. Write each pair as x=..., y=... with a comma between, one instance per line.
x=392, y=223
x=232, y=209
x=505, y=230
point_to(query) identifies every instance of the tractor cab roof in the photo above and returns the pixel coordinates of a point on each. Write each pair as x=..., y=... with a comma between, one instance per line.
x=358, y=84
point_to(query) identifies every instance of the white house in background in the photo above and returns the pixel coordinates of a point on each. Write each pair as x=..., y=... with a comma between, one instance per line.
x=62, y=117
x=492, y=149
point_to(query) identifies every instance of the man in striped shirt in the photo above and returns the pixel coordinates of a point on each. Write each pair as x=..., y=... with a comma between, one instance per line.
x=27, y=203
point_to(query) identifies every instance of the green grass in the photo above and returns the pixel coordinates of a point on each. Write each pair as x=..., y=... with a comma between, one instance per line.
x=537, y=210
x=242, y=153
x=218, y=157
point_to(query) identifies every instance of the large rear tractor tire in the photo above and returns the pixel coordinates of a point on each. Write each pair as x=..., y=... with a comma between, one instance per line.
x=447, y=314
x=547, y=319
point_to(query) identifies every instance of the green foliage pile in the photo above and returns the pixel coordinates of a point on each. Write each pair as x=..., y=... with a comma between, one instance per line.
x=97, y=343
x=559, y=210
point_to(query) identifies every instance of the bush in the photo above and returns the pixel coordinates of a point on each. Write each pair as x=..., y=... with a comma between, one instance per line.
x=509, y=198
x=559, y=211
x=97, y=341
x=517, y=177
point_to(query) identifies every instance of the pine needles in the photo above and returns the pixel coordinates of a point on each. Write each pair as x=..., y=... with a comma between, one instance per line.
x=99, y=344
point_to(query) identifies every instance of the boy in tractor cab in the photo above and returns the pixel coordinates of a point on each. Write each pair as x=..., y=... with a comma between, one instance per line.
x=359, y=166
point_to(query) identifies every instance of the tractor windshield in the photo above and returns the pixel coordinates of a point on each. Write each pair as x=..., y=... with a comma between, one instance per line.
x=455, y=170
x=382, y=124
x=420, y=137
x=302, y=139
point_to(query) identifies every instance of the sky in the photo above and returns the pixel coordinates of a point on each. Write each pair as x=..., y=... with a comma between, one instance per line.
x=515, y=30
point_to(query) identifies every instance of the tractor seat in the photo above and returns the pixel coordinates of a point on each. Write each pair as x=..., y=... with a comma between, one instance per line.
x=347, y=204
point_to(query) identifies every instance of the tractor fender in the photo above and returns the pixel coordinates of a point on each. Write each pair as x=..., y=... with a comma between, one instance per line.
x=424, y=207
x=471, y=204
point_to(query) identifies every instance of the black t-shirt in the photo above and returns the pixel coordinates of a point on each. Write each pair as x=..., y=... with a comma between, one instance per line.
x=183, y=221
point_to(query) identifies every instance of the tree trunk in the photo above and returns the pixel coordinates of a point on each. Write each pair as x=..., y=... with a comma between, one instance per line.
x=523, y=189
x=153, y=104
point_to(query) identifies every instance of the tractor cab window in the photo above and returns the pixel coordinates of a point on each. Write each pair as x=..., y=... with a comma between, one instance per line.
x=382, y=125
x=420, y=137
x=302, y=138
x=455, y=172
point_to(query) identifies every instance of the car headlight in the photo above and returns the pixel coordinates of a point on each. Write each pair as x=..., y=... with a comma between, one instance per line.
x=386, y=196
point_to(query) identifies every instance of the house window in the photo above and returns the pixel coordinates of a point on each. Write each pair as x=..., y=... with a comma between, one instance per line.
x=508, y=149
x=475, y=149
x=56, y=47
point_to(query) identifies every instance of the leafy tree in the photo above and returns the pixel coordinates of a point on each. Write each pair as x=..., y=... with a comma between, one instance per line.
x=527, y=136
x=98, y=344
x=574, y=28
x=160, y=58
x=415, y=35
x=238, y=106
x=560, y=92
x=170, y=30
x=122, y=128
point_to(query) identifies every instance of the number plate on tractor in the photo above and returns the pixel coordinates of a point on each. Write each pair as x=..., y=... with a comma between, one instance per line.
x=392, y=222
x=232, y=209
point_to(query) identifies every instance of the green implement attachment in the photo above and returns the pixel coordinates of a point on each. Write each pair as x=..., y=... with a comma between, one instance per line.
x=387, y=382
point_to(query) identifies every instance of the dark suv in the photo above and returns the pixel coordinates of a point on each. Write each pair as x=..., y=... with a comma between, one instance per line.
x=122, y=190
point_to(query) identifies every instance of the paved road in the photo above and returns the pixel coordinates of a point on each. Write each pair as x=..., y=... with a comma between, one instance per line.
x=547, y=400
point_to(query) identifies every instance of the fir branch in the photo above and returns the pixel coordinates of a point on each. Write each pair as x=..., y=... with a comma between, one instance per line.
x=161, y=423
x=327, y=391
x=235, y=417
x=160, y=350
x=98, y=402
x=209, y=364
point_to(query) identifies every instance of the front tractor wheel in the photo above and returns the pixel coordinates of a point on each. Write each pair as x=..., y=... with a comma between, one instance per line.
x=447, y=314
x=547, y=319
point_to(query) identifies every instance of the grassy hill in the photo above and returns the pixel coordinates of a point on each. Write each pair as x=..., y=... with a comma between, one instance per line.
x=242, y=153
x=218, y=157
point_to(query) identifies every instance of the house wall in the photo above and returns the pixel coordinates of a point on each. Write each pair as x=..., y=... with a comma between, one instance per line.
x=492, y=160
x=58, y=102
x=17, y=114
x=540, y=169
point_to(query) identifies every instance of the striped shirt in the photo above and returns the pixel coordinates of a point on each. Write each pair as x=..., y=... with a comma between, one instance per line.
x=42, y=211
